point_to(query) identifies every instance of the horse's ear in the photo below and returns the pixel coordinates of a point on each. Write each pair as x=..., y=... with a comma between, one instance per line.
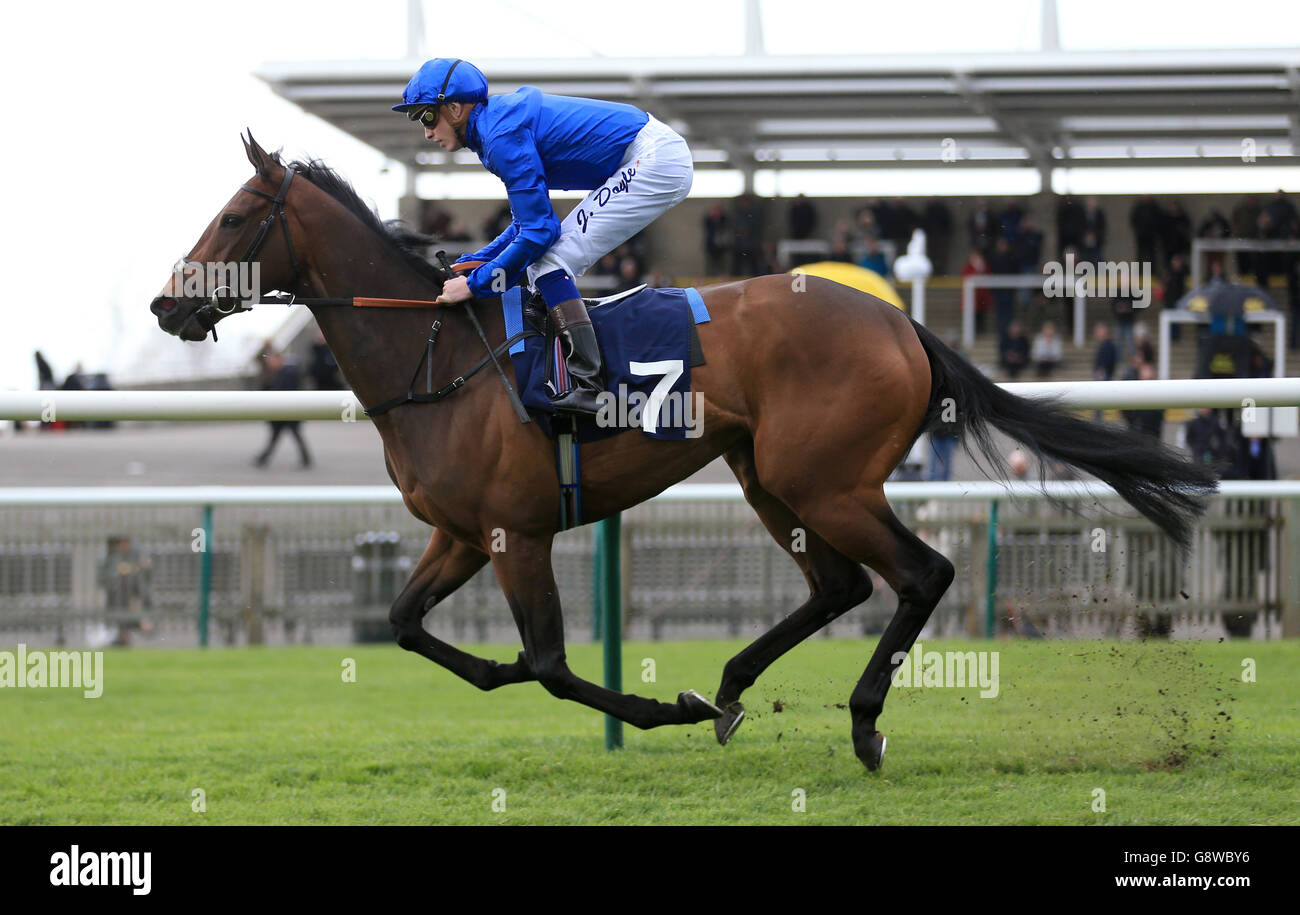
x=260, y=158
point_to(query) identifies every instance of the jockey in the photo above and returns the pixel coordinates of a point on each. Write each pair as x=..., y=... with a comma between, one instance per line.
x=634, y=166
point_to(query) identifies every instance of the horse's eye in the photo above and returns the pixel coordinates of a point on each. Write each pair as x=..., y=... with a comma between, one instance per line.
x=230, y=220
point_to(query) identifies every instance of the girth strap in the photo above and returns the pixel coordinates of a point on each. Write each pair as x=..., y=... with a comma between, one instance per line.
x=432, y=396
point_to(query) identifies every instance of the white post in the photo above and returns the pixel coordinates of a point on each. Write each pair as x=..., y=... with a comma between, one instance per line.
x=1279, y=344
x=915, y=268
x=1080, y=320
x=967, y=313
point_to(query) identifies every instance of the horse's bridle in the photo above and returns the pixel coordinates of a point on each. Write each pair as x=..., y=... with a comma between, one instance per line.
x=207, y=315
x=211, y=311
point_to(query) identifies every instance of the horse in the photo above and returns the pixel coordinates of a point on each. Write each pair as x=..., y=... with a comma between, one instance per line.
x=813, y=393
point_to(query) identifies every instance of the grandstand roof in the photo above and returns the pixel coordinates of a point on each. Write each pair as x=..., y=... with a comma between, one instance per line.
x=1043, y=110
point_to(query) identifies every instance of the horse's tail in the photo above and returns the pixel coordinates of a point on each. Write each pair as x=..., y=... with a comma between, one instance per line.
x=1157, y=480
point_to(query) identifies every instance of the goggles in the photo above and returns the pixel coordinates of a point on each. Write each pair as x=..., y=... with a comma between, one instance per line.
x=427, y=116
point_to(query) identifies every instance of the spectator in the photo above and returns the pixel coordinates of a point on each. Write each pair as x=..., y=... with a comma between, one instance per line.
x=1029, y=246
x=1245, y=224
x=124, y=574
x=606, y=266
x=1013, y=351
x=1009, y=220
x=937, y=222
x=1148, y=421
x=1175, y=287
x=633, y=250
x=904, y=220
x=282, y=376
x=457, y=231
x=1177, y=234
x=982, y=228
x=882, y=218
x=1208, y=440
x=1255, y=459
x=1291, y=262
x=802, y=219
x=324, y=370
x=1274, y=225
x=717, y=241
x=1104, y=360
x=498, y=222
x=1146, y=220
x=840, y=250
x=1094, y=222
x=863, y=223
x=1047, y=351
x=1145, y=349
x=1103, y=363
x=747, y=237
x=1069, y=225
x=1003, y=261
x=629, y=273
x=659, y=279
x=873, y=258
x=1018, y=464
x=975, y=266
x=1281, y=210
x=1266, y=262
x=1123, y=308
x=1214, y=225
x=433, y=220
x=1090, y=250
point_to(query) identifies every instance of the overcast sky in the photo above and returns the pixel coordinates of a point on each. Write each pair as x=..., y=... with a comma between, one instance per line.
x=122, y=119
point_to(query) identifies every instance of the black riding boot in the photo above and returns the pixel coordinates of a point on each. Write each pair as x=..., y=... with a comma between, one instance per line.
x=581, y=358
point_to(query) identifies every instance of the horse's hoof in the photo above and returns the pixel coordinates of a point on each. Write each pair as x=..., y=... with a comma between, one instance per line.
x=873, y=753
x=697, y=707
x=731, y=718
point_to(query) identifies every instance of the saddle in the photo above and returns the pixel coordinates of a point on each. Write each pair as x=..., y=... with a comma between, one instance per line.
x=537, y=315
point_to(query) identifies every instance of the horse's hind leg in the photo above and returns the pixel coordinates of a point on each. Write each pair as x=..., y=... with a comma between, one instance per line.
x=524, y=570
x=836, y=583
x=445, y=566
x=861, y=525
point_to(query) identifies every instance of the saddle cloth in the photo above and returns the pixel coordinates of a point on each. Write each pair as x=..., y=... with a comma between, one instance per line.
x=648, y=343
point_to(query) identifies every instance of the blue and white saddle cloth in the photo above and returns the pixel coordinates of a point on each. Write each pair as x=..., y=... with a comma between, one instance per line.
x=648, y=343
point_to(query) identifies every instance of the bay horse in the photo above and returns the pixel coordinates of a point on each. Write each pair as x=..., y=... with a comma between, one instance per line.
x=813, y=393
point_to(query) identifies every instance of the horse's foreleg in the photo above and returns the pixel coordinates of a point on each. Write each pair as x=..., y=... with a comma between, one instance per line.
x=524, y=570
x=445, y=566
x=837, y=585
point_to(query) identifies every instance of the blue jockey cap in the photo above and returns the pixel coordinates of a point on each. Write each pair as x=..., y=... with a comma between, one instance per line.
x=444, y=79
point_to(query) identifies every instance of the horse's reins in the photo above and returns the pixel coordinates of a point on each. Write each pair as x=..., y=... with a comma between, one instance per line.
x=207, y=314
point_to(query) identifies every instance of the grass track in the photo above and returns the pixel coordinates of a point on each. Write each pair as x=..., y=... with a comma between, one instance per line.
x=1169, y=732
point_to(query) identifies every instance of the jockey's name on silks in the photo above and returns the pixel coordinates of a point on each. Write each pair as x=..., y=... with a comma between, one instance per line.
x=606, y=193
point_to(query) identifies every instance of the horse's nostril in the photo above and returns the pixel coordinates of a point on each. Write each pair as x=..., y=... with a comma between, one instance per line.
x=162, y=305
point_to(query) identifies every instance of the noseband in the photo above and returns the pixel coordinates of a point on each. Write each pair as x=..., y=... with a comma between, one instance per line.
x=209, y=313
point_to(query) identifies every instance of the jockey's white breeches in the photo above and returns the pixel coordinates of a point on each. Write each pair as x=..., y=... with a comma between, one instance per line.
x=655, y=175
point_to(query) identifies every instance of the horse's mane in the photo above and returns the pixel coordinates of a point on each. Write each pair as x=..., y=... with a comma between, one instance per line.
x=397, y=235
